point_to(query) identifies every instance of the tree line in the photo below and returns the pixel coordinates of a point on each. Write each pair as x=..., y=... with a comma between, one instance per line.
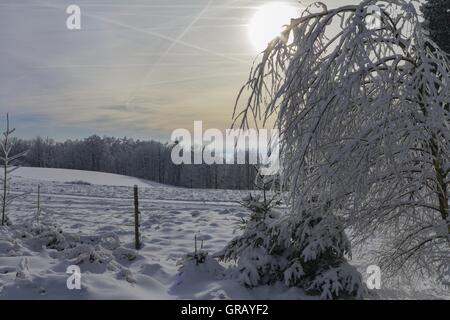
x=126, y=156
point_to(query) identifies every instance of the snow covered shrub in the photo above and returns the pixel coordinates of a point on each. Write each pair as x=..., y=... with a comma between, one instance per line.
x=196, y=267
x=125, y=254
x=191, y=271
x=258, y=264
x=364, y=118
x=127, y=275
x=274, y=248
x=35, y=235
x=99, y=251
x=317, y=247
x=84, y=253
x=199, y=255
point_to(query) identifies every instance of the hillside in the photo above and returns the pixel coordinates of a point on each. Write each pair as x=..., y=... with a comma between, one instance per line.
x=87, y=220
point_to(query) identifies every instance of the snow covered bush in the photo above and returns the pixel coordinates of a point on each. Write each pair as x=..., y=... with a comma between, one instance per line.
x=199, y=255
x=197, y=265
x=257, y=263
x=252, y=250
x=363, y=113
x=102, y=252
x=304, y=260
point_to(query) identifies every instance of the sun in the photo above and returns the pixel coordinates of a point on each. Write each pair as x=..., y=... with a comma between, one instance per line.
x=268, y=22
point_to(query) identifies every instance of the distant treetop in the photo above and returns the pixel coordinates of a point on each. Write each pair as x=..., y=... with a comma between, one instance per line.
x=437, y=17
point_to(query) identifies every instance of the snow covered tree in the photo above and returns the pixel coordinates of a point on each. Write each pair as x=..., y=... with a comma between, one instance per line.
x=437, y=17
x=262, y=259
x=9, y=163
x=361, y=97
x=257, y=261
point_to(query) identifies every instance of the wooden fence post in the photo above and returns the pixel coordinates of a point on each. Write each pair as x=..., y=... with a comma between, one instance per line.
x=39, y=198
x=38, y=203
x=136, y=218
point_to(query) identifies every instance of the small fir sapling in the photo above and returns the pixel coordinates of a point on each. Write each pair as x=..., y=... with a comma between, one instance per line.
x=9, y=162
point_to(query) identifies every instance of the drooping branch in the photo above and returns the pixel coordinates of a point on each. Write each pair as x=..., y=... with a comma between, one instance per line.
x=364, y=121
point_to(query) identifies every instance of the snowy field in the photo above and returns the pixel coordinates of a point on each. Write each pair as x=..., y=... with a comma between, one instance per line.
x=92, y=214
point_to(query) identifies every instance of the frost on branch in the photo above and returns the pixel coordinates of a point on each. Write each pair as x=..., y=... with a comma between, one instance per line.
x=363, y=113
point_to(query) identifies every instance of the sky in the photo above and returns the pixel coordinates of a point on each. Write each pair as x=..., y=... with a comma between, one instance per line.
x=137, y=68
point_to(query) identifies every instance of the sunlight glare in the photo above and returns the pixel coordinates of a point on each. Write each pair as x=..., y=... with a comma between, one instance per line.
x=268, y=23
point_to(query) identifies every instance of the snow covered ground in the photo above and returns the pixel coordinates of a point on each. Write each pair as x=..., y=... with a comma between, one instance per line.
x=90, y=223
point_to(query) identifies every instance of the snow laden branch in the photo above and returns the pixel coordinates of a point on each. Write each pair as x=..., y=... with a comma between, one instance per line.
x=364, y=116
